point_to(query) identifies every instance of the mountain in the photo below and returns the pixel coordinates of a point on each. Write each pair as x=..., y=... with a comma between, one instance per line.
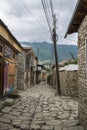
x=45, y=50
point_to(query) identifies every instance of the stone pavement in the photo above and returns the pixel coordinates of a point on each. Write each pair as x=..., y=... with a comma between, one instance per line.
x=39, y=109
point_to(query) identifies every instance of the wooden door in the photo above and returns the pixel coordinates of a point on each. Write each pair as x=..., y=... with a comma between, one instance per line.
x=1, y=75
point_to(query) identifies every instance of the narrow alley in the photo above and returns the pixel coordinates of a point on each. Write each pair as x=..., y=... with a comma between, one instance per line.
x=39, y=108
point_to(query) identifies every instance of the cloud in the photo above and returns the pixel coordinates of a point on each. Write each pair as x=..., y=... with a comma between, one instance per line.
x=24, y=20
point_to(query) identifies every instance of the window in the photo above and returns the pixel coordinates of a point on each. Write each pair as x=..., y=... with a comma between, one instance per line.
x=8, y=51
x=0, y=48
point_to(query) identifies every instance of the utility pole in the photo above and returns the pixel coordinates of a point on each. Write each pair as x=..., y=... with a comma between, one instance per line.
x=38, y=52
x=55, y=38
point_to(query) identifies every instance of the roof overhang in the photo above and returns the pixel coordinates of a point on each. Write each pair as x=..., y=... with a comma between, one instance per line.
x=78, y=16
x=6, y=35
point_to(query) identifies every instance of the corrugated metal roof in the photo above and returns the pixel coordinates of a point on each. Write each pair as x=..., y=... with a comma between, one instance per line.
x=26, y=46
x=70, y=67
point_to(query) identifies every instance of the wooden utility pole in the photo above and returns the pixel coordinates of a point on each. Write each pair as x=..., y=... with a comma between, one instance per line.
x=55, y=38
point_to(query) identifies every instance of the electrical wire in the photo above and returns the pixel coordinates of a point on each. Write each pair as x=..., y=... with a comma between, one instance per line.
x=66, y=39
x=49, y=12
x=45, y=37
x=45, y=6
x=46, y=14
x=40, y=33
x=32, y=14
x=51, y=6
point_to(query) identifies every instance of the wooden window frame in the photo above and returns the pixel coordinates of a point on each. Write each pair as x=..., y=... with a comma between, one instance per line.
x=1, y=53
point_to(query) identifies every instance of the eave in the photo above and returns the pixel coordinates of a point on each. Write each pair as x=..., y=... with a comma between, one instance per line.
x=9, y=38
x=79, y=14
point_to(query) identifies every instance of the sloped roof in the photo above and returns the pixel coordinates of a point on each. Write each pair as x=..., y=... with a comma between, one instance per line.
x=79, y=13
x=70, y=67
x=26, y=46
x=6, y=28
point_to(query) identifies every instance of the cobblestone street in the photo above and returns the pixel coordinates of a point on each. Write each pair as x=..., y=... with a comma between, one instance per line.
x=40, y=109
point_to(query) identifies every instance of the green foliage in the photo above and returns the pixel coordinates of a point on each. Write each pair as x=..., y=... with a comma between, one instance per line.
x=71, y=62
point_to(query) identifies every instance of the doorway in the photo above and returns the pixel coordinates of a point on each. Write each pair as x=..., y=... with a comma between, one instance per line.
x=1, y=75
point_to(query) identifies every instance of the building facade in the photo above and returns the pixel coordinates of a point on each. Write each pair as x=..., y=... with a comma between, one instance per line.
x=9, y=49
x=27, y=66
x=69, y=80
x=78, y=24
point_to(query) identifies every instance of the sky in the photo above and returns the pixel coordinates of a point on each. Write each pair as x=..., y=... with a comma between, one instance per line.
x=27, y=22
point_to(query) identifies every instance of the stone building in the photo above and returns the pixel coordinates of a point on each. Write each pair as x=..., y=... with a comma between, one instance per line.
x=39, y=73
x=69, y=80
x=52, y=76
x=27, y=66
x=34, y=67
x=9, y=49
x=78, y=24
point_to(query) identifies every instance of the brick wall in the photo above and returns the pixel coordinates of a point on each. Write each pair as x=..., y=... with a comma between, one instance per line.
x=82, y=34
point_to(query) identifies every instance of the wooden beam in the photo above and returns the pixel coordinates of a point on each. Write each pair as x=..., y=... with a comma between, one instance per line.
x=10, y=39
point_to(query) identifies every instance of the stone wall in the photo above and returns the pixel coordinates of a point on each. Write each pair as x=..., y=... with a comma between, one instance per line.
x=82, y=56
x=20, y=71
x=69, y=83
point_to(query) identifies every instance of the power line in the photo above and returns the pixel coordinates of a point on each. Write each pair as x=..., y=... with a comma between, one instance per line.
x=66, y=38
x=32, y=14
x=51, y=5
x=27, y=8
x=46, y=14
x=40, y=33
x=44, y=7
x=41, y=38
x=49, y=12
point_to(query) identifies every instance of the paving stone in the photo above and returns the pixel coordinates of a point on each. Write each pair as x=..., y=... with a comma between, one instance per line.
x=46, y=113
x=6, y=109
x=4, y=120
x=26, y=122
x=4, y=126
x=47, y=128
x=15, y=129
x=71, y=123
x=25, y=126
x=53, y=115
x=9, y=101
x=73, y=128
x=39, y=122
x=15, y=113
x=22, y=117
x=35, y=127
x=8, y=116
x=2, y=105
x=63, y=116
x=58, y=128
x=54, y=122
x=16, y=122
x=1, y=114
